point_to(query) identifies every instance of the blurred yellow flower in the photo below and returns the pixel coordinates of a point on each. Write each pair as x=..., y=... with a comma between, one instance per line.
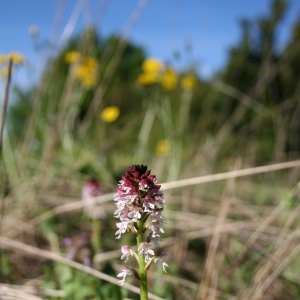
x=72, y=57
x=169, y=79
x=152, y=65
x=188, y=82
x=152, y=72
x=17, y=58
x=162, y=147
x=148, y=78
x=2, y=59
x=155, y=72
x=90, y=62
x=110, y=114
x=4, y=72
x=87, y=72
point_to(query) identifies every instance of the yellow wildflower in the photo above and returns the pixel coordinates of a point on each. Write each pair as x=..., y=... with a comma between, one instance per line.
x=90, y=62
x=188, y=82
x=4, y=72
x=152, y=65
x=169, y=79
x=148, y=78
x=17, y=58
x=87, y=72
x=110, y=114
x=72, y=57
x=152, y=72
x=2, y=59
x=162, y=147
x=86, y=79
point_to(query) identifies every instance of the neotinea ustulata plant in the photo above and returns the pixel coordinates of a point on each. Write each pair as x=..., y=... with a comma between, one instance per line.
x=140, y=204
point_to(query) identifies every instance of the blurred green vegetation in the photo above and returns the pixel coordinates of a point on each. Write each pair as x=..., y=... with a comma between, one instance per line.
x=255, y=95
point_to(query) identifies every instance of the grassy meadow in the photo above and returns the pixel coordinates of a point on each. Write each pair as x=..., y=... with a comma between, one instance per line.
x=226, y=151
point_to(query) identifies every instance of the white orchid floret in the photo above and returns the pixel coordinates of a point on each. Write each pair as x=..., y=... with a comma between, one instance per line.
x=125, y=272
x=118, y=212
x=125, y=189
x=116, y=197
x=161, y=259
x=120, y=206
x=159, y=197
x=125, y=211
x=135, y=214
x=156, y=228
x=126, y=252
x=122, y=228
x=148, y=206
x=145, y=251
x=124, y=216
x=130, y=198
x=122, y=212
x=143, y=186
x=157, y=217
x=156, y=239
x=127, y=199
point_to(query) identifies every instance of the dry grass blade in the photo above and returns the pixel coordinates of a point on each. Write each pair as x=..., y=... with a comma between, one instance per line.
x=68, y=207
x=265, y=223
x=265, y=269
x=9, y=293
x=186, y=283
x=258, y=292
x=228, y=175
x=255, y=291
x=11, y=244
x=49, y=148
x=33, y=290
x=175, y=184
x=170, y=185
x=213, y=259
x=245, y=99
x=57, y=211
x=232, y=228
x=67, y=32
x=3, y=116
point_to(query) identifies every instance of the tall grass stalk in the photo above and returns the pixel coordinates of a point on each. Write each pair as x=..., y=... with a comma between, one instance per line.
x=96, y=235
x=145, y=134
x=4, y=104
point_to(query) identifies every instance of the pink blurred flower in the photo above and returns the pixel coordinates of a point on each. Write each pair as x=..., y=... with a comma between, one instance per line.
x=79, y=248
x=90, y=190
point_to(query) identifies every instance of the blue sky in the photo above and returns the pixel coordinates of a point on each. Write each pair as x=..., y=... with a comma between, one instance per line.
x=165, y=26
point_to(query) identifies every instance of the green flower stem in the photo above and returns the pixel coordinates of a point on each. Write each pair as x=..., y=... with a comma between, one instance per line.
x=96, y=235
x=142, y=264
